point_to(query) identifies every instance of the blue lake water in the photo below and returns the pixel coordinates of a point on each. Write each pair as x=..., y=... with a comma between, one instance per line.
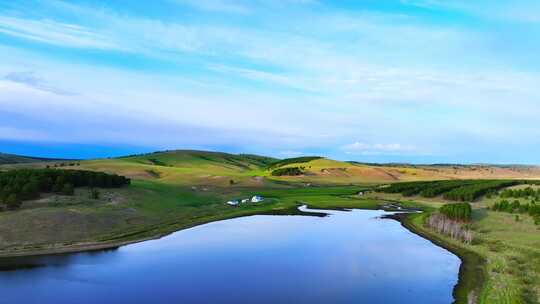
x=347, y=257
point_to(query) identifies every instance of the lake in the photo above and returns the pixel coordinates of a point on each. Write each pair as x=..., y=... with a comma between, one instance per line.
x=346, y=257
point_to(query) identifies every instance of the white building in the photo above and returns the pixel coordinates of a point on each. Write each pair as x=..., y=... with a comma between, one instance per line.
x=232, y=203
x=246, y=200
x=256, y=199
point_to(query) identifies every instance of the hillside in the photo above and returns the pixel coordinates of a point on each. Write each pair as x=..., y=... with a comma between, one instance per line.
x=193, y=158
x=188, y=167
x=324, y=170
x=18, y=159
x=203, y=168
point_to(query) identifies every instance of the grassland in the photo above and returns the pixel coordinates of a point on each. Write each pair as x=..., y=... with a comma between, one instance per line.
x=179, y=189
x=146, y=209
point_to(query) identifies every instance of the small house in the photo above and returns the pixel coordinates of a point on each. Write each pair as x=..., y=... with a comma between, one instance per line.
x=232, y=203
x=256, y=199
x=246, y=200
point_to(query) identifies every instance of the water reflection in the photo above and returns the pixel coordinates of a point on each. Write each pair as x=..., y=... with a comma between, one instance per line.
x=347, y=257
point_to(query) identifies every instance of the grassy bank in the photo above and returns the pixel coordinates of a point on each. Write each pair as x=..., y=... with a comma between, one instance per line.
x=472, y=273
x=502, y=264
x=142, y=211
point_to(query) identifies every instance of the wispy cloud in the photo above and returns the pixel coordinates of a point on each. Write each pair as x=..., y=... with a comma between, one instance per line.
x=12, y=133
x=525, y=11
x=225, y=6
x=377, y=148
x=241, y=6
x=32, y=80
x=53, y=32
x=284, y=75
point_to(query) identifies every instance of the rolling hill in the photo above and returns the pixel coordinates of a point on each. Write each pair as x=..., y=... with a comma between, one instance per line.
x=190, y=167
x=18, y=159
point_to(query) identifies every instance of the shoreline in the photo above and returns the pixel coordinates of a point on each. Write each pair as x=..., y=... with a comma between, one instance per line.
x=471, y=276
x=129, y=238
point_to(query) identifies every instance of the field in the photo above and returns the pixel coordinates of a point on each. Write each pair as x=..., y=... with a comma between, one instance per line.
x=178, y=189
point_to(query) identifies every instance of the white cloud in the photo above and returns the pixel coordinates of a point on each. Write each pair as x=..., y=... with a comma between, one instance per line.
x=242, y=6
x=12, y=133
x=32, y=80
x=53, y=32
x=377, y=148
x=218, y=6
x=375, y=76
x=526, y=11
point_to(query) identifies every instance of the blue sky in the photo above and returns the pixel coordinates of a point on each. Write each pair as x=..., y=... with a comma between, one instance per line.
x=404, y=80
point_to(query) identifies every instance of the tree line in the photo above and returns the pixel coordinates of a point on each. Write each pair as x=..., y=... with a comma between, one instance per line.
x=26, y=184
x=289, y=171
x=476, y=190
x=294, y=160
x=455, y=229
x=456, y=190
x=521, y=193
x=452, y=220
x=533, y=209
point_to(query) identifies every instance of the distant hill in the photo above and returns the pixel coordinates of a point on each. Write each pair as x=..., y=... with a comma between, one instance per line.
x=6, y=159
x=193, y=158
x=191, y=167
x=323, y=170
x=295, y=160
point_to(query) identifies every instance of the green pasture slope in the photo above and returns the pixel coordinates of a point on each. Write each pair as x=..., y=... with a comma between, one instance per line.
x=194, y=158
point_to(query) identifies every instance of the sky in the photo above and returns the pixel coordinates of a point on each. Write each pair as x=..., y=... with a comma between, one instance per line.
x=422, y=81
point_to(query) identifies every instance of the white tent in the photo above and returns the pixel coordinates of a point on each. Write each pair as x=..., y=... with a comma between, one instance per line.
x=256, y=199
